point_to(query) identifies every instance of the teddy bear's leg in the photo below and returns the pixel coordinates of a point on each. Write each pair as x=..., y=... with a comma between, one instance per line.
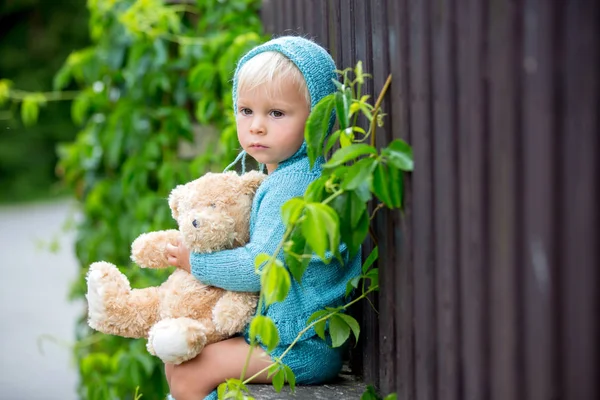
x=148, y=250
x=233, y=311
x=114, y=308
x=175, y=340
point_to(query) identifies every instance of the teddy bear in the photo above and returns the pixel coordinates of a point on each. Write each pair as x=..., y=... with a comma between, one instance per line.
x=182, y=315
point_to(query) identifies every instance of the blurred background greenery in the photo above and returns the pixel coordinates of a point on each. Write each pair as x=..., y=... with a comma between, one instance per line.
x=144, y=90
x=36, y=36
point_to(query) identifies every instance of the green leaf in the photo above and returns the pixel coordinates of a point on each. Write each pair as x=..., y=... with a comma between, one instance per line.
x=359, y=233
x=316, y=191
x=371, y=259
x=396, y=185
x=221, y=390
x=320, y=329
x=79, y=108
x=62, y=77
x=291, y=210
x=321, y=229
x=380, y=185
x=360, y=173
x=297, y=248
x=358, y=71
x=275, y=283
x=352, y=323
x=342, y=109
x=399, y=154
x=349, y=153
x=273, y=370
x=332, y=140
x=278, y=380
x=317, y=126
x=260, y=260
x=290, y=377
x=370, y=394
x=316, y=315
x=391, y=396
x=346, y=138
x=263, y=328
x=338, y=330
x=352, y=284
x=30, y=108
x=373, y=275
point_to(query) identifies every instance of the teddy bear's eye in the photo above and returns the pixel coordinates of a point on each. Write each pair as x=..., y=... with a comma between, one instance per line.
x=213, y=205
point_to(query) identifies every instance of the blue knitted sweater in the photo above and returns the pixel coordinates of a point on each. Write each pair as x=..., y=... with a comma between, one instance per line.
x=323, y=285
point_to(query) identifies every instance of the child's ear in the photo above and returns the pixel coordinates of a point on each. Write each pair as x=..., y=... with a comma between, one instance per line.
x=175, y=200
x=252, y=180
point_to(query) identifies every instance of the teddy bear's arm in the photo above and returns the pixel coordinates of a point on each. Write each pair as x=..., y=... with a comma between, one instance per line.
x=149, y=249
x=233, y=311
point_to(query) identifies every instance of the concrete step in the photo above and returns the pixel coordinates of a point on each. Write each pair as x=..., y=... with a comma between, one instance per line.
x=346, y=387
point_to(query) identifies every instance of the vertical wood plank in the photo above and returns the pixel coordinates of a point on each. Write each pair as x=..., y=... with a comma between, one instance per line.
x=299, y=9
x=288, y=21
x=446, y=228
x=541, y=119
x=421, y=127
x=473, y=197
x=386, y=220
x=335, y=34
x=347, y=39
x=400, y=124
x=323, y=10
x=266, y=15
x=580, y=177
x=504, y=34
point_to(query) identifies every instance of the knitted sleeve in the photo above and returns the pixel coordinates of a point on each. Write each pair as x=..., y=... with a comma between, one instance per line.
x=234, y=269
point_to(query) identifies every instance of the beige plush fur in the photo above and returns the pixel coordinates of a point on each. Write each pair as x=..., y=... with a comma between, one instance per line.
x=182, y=315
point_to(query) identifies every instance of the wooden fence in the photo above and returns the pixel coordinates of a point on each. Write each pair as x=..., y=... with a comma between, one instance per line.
x=490, y=277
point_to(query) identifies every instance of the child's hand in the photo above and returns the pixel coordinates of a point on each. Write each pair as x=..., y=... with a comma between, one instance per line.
x=178, y=256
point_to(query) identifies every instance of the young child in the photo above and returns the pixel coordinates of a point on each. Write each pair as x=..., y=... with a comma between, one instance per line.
x=274, y=89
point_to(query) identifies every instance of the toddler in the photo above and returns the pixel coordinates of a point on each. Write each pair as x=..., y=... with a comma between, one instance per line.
x=275, y=87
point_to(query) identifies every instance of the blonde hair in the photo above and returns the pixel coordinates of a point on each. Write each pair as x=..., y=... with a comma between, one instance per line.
x=269, y=67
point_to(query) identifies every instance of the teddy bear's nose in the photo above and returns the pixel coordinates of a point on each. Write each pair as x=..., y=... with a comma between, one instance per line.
x=195, y=223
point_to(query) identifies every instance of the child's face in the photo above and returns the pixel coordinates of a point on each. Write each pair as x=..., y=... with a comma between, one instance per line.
x=270, y=123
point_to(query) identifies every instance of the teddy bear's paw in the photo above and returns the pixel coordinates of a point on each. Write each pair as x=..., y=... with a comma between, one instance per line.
x=175, y=340
x=148, y=250
x=233, y=312
x=104, y=280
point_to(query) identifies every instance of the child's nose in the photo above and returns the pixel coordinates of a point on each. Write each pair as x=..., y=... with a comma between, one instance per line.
x=257, y=127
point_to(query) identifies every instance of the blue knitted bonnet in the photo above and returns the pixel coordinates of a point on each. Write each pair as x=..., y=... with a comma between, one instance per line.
x=315, y=64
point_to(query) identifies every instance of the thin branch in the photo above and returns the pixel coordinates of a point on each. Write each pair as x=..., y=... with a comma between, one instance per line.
x=377, y=106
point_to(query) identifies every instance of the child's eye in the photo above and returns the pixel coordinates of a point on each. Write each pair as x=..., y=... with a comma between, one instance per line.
x=276, y=113
x=245, y=111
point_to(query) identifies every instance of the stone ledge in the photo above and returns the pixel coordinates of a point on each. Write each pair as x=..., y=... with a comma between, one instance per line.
x=345, y=387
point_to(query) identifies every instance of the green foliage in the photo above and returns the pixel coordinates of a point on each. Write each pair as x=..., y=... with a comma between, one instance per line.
x=154, y=82
x=35, y=38
x=333, y=210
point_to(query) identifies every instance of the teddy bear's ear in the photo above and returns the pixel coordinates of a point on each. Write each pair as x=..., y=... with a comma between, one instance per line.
x=175, y=200
x=252, y=180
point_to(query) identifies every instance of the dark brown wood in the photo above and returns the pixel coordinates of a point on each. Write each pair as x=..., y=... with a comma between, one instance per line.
x=473, y=163
x=542, y=117
x=423, y=194
x=579, y=173
x=335, y=33
x=489, y=276
x=445, y=168
x=376, y=12
x=504, y=32
x=400, y=123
